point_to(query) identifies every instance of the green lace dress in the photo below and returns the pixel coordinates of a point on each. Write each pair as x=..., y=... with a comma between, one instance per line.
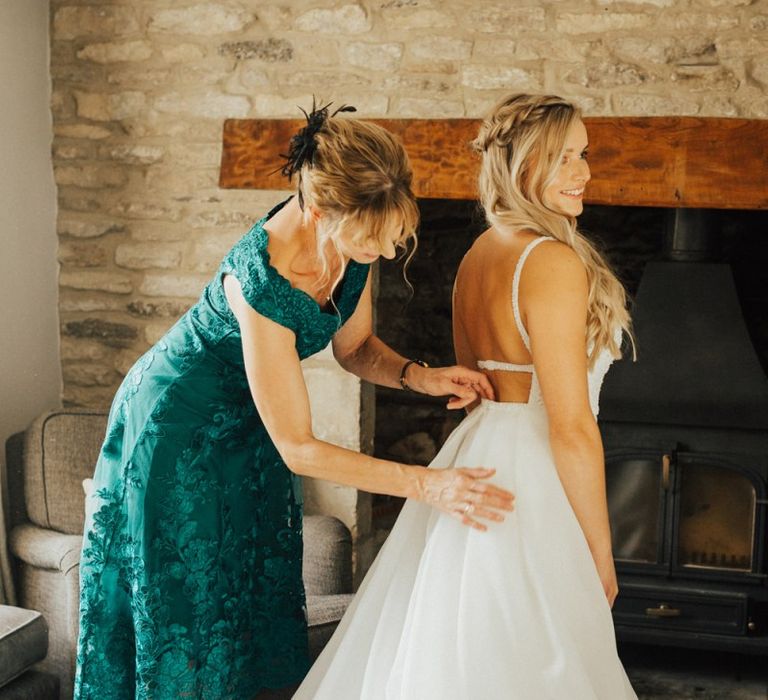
x=191, y=565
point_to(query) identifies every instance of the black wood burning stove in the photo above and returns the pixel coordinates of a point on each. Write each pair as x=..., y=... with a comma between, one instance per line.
x=685, y=430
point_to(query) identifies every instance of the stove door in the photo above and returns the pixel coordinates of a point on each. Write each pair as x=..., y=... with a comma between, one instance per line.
x=716, y=519
x=636, y=483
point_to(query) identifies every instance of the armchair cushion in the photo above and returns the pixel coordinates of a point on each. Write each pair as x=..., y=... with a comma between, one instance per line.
x=60, y=450
x=327, y=566
x=23, y=641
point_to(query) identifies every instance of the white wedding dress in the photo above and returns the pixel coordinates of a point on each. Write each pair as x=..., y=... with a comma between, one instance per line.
x=515, y=613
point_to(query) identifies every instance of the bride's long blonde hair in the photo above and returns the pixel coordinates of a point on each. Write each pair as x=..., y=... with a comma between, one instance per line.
x=522, y=144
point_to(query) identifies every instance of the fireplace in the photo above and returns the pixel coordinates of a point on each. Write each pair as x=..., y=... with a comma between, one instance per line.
x=685, y=431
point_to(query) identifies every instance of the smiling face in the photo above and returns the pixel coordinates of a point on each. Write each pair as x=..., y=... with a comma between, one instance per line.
x=566, y=192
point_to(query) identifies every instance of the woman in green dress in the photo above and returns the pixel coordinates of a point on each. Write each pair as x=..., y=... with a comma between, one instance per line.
x=191, y=565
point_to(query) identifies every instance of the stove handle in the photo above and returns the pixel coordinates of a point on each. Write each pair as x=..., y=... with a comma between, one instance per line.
x=666, y=461
x=664, y=610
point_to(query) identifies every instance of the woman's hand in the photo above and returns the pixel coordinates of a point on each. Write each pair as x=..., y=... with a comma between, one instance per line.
x=607, y=572
x=462, y=493
x=462, y=384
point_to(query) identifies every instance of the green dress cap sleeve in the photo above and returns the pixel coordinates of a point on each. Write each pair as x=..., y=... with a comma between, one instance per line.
x=248, y=261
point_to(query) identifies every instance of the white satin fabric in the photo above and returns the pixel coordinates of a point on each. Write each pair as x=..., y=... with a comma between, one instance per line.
x=450, y=613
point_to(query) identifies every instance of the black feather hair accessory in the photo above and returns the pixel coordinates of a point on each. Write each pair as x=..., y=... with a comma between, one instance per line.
x=302, y=147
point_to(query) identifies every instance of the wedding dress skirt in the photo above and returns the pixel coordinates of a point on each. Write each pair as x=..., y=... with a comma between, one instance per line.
x=450, y=613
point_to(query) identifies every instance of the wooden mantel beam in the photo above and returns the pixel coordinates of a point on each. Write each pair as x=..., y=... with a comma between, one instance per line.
x=642, y=161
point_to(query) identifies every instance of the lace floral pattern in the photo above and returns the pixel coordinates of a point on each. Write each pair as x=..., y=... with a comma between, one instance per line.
x=191, y=564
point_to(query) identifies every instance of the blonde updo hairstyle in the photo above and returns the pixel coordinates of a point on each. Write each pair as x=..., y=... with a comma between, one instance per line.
x=522, y=145
x=359, y=178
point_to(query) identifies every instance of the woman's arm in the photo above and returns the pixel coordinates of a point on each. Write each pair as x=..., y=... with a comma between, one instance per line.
x=553, y=294
x=280, y=394
x=359, y=351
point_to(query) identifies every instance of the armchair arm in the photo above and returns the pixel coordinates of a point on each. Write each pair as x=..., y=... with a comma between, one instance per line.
x=46, y=549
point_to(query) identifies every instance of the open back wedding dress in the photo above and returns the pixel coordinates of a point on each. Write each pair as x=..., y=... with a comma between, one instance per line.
x=450, y=613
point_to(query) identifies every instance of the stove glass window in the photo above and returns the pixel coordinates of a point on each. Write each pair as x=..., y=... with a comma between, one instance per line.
x=717, y=518
x=633, y=487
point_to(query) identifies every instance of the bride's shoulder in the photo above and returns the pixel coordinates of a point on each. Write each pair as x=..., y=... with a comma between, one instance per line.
x=553, y=263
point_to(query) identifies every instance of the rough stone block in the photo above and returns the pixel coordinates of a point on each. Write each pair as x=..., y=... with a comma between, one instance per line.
x=141, y=256
x=203, y=19
x=425, y=107
x=81, y=131
x=491, y=49
x=107, y=106
x=117, y=335
x=320, y=51
x=81, y=254
x=601, y=22
x=100, y=398
x=718, y=106
x=128, y=78
x=72, y=151
x=699, y=21
x=69, y=225
x=143, y=209
x=207, y=255
x=448, y=48
x=83, y=20
x=81, y=349
x=607, y=74
x=97, y=281
x=207, y=104
x=383, y=57
x=420, y=83
x=406, y=18
x=273, y=17
x=114, y=52
x=72, y=300
x=182, y=53
x=504, y=19
x=759, y=70
x=142, y=308
x=347, y=19
x=90, y=176
x=655, y=3
x=653, y=105
x=223, y=217
x=495, y=77
x=133, y=153
x=330, y=81
x=335, y=412
x=88, y=374
x=268, y=50
x=705, y=78
x=738, y=50
x=170, y=284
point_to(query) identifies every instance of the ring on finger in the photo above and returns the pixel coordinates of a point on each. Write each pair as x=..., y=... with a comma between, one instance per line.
x=467, y=508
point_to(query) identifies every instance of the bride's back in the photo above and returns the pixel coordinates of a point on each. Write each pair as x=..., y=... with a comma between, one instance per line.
x=484, y=325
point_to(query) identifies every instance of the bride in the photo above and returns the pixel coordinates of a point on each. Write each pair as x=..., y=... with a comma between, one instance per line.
x=522, y=610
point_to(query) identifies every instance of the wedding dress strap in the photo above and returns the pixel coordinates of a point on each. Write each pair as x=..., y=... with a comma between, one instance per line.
x=516, y=287
x=504, y=366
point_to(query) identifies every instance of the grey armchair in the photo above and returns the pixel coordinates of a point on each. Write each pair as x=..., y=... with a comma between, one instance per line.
x=46, y=465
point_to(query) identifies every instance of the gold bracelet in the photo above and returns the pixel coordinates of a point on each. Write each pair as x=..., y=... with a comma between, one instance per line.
x=403, y=382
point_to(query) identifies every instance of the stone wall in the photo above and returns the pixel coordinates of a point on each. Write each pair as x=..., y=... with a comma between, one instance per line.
x=141, y=88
